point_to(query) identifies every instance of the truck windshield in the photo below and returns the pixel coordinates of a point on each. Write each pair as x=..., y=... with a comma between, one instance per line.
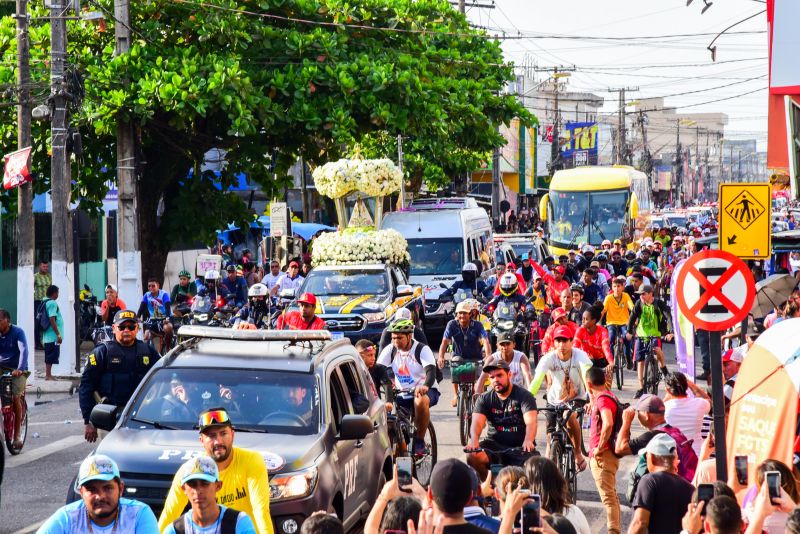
x=590, y=217
x=256, y=401
x=345, y=282
x=436, y=256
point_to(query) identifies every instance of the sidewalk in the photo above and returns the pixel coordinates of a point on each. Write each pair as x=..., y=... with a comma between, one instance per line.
x=61, y=384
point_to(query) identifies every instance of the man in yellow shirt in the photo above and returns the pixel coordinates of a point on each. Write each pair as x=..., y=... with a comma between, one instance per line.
x=245, y=483
x=617, y=308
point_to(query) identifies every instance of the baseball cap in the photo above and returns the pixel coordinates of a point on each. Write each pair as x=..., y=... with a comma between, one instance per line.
x=537, y=276
x=97, y=467
x=557, y=314
x=505, y=337
x=661, y=445
x=294, y=264
x=308, y=298
x=562, y=331
x=496, y=364
x=650, y=404
x=525, y=257
x=112, y=287
x=451, y=480
x=644, y=288
x=123, y=316
x=511, y=264
x=560, y=269
x=732, y=355
x=572, y=252
x=462, y=307
x=199, y=468
x=213, y=417
x=231, y=268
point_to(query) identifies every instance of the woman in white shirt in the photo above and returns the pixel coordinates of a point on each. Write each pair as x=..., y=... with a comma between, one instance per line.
x=545, y=479
x=686, y=404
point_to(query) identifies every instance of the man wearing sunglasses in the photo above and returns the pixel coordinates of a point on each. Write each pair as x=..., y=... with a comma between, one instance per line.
x=114, y=369
x=245, y=483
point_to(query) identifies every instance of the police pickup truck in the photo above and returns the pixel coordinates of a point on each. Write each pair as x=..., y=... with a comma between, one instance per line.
x=357, y=301
x=304, y=401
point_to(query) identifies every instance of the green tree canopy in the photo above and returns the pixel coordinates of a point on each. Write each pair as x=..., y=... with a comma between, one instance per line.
x=266, y=81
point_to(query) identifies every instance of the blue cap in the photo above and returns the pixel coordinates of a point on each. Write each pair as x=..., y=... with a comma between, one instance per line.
x=97, y=467
x=525, y=257
x=200, y=468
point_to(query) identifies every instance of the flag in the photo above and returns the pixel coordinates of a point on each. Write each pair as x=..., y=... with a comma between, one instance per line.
x=682, y=330
x=16, y=168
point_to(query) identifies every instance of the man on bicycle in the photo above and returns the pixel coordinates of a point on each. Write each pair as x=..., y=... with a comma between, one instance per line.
x=511, y=414
x=566, y=368
x=14, y=358
x=155, y=311
x=469, y=339
x=617, y=310
x=650, y=318
x=414, y=370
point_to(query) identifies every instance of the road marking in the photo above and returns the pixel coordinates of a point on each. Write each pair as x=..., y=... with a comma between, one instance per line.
x=30, y=456
x=65, y=422
x=30, y=528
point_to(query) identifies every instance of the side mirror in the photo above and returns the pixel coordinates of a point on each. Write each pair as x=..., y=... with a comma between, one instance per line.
x=104, y=416
x=287, y=293
x=443, y=285
x=355, y=427
x=404, y=289
x=543, y=206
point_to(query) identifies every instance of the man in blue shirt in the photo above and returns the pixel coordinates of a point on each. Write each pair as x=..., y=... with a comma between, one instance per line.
x=468, y=337
x=155, y=311
x=236, y=285
x=14, y=358
x=101, y=508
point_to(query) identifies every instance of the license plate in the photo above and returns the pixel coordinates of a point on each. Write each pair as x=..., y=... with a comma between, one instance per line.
x=336, y=335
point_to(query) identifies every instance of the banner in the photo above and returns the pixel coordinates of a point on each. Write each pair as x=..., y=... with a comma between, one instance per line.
x=16, y=169
x=580, y=143
x=682, y=329
x=664, y=178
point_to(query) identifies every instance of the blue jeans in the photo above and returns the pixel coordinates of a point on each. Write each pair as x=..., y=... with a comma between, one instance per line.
x=613, y=331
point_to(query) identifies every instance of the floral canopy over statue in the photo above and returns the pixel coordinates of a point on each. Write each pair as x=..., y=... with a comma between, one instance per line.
x=358, y=239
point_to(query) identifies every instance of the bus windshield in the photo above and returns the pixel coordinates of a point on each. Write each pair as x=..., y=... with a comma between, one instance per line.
x=591, y=217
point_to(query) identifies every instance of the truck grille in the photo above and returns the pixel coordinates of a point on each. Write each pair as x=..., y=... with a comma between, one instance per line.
x=343, y=323
x=149, y=488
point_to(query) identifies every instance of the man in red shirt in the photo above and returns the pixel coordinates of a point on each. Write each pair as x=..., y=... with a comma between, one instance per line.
x=305, y=319
x=558, y=318
x=603, y=462
x=555, y=283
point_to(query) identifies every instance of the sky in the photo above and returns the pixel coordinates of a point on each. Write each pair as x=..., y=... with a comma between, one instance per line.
x=659, y=46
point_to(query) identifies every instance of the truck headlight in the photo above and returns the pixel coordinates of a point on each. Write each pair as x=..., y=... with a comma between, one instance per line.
x=374, y=317
x=292, y=485
x=202, y=317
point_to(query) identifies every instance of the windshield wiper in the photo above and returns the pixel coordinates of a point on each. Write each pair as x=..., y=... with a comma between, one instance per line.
x=251, y=429
x=155, y=424
x=599, y=231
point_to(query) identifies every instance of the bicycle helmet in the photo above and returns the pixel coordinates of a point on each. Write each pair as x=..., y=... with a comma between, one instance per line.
x=403, y=326
x=601, y=257
x=508, y=284
x=258, y=290
x=184, y=274
x=630, y=255
x=212, y=275
x=576, y=287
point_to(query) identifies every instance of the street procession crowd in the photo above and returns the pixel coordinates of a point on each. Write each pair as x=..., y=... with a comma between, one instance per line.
x=594, y=311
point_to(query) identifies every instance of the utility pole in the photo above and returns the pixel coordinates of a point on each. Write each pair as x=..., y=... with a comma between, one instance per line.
x=400, y=166
x=621, y=152
x=647, y=160
x=555, y=148
x=678, y=165
x=739, y=167
x=462, y=6
x=129, y=257
x=495, y=188
x=60, y=190
x=25, y=226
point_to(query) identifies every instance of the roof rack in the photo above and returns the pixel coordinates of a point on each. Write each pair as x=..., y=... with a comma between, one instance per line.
x=443, y=203
x=214, y=332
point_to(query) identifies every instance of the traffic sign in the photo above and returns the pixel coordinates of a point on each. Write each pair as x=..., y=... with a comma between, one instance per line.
x=715, y=290
x=745, y=220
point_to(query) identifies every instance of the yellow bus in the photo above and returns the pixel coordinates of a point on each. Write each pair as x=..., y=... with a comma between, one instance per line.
x=591, y=204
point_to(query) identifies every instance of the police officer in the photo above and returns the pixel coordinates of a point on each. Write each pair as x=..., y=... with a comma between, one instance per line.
x=114, y=369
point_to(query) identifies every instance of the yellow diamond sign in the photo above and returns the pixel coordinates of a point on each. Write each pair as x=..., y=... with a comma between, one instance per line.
x=744, y=219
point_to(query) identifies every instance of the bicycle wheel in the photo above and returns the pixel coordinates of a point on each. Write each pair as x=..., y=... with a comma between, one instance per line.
x=651, y=375
x=423, y=465
x=463, y=415
x=23, y=433
x=619, y=364
x=557, y=455
x=570, y=473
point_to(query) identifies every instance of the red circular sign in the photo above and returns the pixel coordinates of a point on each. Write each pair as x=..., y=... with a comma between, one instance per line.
x=719, y=303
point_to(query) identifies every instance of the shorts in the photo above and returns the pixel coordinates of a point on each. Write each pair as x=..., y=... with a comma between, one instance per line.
x=638, y=350
x=406, y=399
x=601, y=363
x=52, y=351
x=17, y=382
x=155, y=326
x=505, y=458
x=550, y=417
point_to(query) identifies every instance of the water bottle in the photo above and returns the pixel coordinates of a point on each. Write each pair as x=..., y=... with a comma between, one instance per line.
x=587, y=421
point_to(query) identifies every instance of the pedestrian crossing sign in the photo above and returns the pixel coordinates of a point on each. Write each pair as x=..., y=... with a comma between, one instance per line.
x=745, y=223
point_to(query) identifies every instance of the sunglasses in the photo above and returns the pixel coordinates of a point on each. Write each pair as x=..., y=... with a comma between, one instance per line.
x=128, y=326
x=214, y=417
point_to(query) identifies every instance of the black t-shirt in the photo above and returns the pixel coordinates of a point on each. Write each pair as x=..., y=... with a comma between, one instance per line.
x=506, y=423
x=466, y=528
x=666, y=496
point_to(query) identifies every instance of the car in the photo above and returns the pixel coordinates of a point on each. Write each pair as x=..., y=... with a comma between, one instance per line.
x=511, y=247
x=333, y=457
x=357, y=301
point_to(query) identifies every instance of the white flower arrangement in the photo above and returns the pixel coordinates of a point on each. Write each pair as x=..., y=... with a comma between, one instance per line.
x=373, y=177
x=349, y=248
x=336, y=179
x=379, y=177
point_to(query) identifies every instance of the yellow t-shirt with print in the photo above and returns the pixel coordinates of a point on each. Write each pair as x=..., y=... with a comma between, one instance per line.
x=617, y=311
x=245, y=487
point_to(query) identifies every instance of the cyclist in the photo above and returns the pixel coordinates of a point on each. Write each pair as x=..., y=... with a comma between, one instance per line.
x=650, y=318
x=518, y=363
x=468, y=338
x=616, y=311
x=305, y=319
x=402, y=314
x=470, y=282
x=591, y=290
x=575, y=314
x=14, y=358
x=511, y=413
x=184, y=289
x=593, y=340
x=254, y=314
x=414, y=370
x=537, y=293
x=618, y=266
x=565, y=368
x=558, y=318
x=155, y=312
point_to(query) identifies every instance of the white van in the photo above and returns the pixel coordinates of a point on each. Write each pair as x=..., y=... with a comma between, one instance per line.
x=443, y=234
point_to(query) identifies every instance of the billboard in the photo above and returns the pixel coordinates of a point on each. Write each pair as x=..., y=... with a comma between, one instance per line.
x=664, y=174
x=580, y=143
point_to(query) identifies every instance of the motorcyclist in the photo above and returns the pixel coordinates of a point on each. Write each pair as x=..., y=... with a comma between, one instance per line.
x=236, y=284
x=470, y=282
x=509, y=293
x=213, y=288
x=254, y=314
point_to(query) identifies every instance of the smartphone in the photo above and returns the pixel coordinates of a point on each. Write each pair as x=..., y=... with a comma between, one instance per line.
x=705, y=492
x=495, y=468
x=404, y=473
x=530, y=515
x=740, y=464
x=773, y=479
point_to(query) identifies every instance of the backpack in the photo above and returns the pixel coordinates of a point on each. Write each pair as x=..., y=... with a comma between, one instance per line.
x=617, y=420
x=42, y=319
x=686, y=467
x=227, y=525
x=418, y=357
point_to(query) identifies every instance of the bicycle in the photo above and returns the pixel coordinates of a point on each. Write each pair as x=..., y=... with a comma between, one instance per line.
x=404, y=436
x=6, y=401
x=561, y=449
x=464, y=373
x=652, y=375
x=619, y=355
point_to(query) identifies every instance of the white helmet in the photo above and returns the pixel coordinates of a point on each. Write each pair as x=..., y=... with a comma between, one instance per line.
x=257, y=290
x=212, y=275
x=469, y=266
x=508, y=284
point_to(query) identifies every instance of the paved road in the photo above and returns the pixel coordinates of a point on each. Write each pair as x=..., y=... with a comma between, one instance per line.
x=35, y=482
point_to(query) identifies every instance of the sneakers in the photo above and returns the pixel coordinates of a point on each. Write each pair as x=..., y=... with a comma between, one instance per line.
x=664, y=372
x=17, y=444
x=629, y=363
x=419, y=447
x=639, y=393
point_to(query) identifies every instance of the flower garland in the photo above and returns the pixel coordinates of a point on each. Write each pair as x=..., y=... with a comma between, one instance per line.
x=356, y=247
x=373, y=177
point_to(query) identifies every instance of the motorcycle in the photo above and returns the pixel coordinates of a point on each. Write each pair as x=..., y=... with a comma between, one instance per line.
x=202, y=310
x=90, y=314
x=506, y=319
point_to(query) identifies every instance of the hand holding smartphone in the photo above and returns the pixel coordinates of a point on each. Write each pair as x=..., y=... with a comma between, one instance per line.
x=740, y=464
x=705, y=492
x=404, y=473
x=773, y=479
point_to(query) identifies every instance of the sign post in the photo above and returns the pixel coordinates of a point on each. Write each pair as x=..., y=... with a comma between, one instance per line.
x=715, y=290
x=745, y=220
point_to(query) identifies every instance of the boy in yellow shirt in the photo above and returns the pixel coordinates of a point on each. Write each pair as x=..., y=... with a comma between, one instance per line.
x=617, y=308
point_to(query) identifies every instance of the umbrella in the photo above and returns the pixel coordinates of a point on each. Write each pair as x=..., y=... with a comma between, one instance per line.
x=772, y=292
